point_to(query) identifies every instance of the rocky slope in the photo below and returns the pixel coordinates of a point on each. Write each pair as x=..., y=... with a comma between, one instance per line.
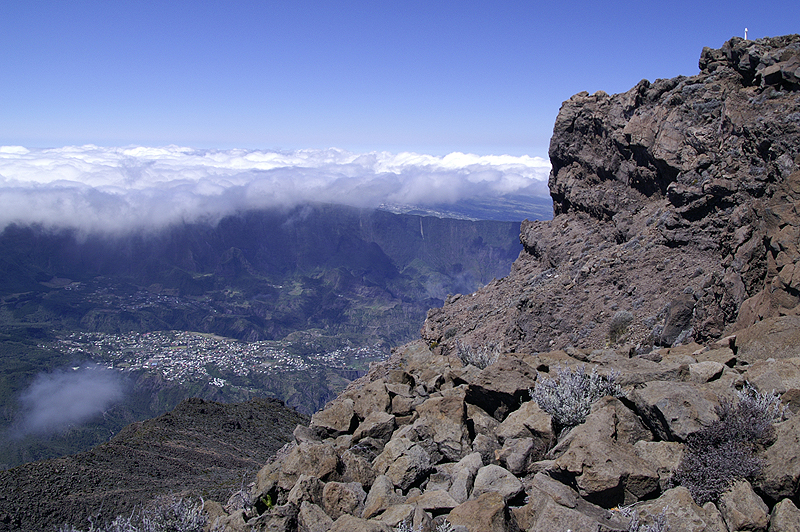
x=201, y=448
x=675, y=223
x=674, y=206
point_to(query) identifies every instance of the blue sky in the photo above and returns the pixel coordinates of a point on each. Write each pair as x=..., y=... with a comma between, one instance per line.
x=430, y=77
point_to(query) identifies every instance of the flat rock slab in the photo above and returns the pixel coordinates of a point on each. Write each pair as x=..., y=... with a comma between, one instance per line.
x=673, y=410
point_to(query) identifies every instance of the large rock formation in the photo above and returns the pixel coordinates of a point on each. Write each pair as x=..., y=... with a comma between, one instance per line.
x=675, y=223
x=675, y=214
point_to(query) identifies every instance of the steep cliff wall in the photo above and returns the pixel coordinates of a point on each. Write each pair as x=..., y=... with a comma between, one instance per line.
x=675, y=214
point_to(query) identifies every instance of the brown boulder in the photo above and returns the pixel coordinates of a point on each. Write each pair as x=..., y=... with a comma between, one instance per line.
x=673, y=410
x=336, y=418
x=771, y=338
x=683, y=513
x=501, y=387
x=780, y=477
x=340, y=498
x=318, y=460
x=443, y=422
x=486, y=513
x=742, y=509
x=349, y=523
x=605, y=469
x=378, y=425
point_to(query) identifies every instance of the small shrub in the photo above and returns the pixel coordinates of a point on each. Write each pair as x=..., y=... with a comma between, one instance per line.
x=164, y=514
x=659, y=523
x=768, y=405
x=619, y=325
x=726, y=449
x=481, y=357
x=569, y=398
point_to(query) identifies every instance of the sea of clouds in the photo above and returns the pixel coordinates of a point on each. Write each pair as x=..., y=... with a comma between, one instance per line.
x=92, y=188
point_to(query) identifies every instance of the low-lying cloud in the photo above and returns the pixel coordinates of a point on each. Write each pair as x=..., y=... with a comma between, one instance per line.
x=93, y=188
x=56, y=401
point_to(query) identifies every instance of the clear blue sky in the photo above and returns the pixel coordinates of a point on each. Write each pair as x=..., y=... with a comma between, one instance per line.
x=428, y=76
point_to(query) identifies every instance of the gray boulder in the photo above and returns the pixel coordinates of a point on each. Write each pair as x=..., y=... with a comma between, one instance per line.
x=673, y=410
x=785, y=517
x=742, y=509
x=403, y=461
x=381, y=496
x=312, y=518
x=495, y=479
x=306, y=489
x=464, y=477
x=683, y=513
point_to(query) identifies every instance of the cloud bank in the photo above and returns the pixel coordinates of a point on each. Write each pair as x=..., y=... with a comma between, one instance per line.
x=56, y=401
x=93, y=188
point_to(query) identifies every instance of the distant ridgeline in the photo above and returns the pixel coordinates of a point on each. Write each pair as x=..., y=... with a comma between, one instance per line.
x=315, y=279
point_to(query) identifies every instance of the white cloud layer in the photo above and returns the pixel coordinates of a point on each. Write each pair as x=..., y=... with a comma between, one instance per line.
x=95, y=188
x=55, y=401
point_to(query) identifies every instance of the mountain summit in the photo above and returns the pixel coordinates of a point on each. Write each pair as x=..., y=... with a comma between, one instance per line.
x=675, y=212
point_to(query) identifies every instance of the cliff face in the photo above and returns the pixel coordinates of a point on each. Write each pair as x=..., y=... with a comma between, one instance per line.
x=675, y=211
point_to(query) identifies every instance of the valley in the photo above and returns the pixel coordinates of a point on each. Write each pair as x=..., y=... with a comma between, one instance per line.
x=289, y=303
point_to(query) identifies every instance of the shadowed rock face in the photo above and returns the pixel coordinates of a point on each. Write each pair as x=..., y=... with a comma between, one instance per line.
x=202, y=448
x=674, y=202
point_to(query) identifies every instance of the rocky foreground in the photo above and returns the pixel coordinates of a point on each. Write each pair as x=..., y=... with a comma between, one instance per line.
x=424, y=438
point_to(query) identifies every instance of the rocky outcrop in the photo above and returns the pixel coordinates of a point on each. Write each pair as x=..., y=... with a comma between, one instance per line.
x=433, y=464
x=675, y=215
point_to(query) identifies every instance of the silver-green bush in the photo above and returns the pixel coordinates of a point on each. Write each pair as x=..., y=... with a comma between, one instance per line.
x=481, y=357
x=569, y=397
x=725, y=450
x=164, y=514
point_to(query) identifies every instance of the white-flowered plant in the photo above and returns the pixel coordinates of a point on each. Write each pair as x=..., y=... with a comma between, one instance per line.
x=768, y=404
x=569, y=397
